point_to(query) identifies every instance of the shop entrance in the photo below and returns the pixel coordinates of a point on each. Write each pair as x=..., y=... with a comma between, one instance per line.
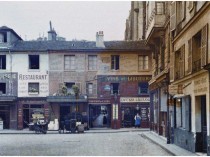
x=28, y=111
x=201, y=124
x=64, y=112
x=100, y=115
x=5, y=115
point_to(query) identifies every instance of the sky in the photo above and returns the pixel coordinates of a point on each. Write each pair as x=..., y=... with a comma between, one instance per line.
x=71, y=19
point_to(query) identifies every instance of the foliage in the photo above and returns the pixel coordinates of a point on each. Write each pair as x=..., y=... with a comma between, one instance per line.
x=76, y=90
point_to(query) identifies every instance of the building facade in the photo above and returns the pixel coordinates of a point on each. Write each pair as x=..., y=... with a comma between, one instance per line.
x=38, y=79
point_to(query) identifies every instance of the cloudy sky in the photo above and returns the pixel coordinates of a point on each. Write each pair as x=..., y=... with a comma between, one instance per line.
x=71, y=19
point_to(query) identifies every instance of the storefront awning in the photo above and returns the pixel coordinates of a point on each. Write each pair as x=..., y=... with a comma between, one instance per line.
x=8, y=98
x=66, y=99
x=179, y=95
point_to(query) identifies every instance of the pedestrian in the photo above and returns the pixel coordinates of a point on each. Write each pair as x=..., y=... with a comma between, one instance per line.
x=137, y=120
x=104, y=120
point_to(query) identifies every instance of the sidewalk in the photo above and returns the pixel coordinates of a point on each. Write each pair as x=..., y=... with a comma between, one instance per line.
x=94, y=130
x=171, y=148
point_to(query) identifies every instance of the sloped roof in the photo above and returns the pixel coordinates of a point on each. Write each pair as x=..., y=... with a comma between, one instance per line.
x=5, y=28
x=77, y=45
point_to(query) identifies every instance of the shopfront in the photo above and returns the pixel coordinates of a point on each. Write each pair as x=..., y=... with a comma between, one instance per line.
x=130, y=106
x=99, y=113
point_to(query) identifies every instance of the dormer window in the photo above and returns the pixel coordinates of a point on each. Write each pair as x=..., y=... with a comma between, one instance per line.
x=3, y=38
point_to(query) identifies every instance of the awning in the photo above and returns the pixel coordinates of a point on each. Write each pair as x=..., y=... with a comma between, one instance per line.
x=179, y=95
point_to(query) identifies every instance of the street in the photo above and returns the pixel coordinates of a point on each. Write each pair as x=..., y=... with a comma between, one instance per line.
x=94, y=144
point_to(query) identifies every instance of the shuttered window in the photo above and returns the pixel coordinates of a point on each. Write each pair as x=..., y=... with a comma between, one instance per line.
x=204, y=40
x=189, y=56
x=173, y=16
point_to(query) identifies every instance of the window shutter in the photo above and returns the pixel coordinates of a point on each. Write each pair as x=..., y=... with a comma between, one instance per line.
x=204, y=40
x=182, y=61
x=189, y=71
x=183, y=10
x=94, y=89
x=172, y=67
x=173, y=16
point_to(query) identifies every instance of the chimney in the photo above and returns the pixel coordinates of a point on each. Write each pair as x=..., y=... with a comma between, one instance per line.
x=100, y=39
x=52, y=34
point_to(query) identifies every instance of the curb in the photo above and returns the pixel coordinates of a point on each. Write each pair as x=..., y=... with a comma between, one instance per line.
x=143, y=135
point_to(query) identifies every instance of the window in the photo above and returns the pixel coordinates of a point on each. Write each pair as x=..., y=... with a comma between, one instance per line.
x=196, y=52
x=2, y=88
x=69, y=62
x=143, y=62
x=160, y=8
x=115, y=88
x=33, y=88
x=33, y=61
x=69, y=87
x=3, y=37
x=143, y=88
x=115, y=62
x=2, y=61
x=90, y=88
x=179, y=63
x=92, y=62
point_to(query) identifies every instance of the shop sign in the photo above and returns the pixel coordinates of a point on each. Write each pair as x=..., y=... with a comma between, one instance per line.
x=99, y=101
x=201, y=85
x=107, y=88
x=115, y=111
x=125, y=79
x=134, y=99
x=173, y=89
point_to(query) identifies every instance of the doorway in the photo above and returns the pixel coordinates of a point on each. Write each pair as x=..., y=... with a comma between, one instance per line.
x=64, y=112
x=100, y=116
x=5, y=116
x=201, y=124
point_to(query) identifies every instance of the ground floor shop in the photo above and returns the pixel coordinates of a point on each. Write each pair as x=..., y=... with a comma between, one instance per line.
x=190, y=113
x=31, y=109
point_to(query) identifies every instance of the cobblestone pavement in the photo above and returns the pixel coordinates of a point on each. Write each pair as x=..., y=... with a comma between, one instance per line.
x=97, y=144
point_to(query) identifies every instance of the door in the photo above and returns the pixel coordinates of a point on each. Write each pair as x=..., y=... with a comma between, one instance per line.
x=64, y=111
x=203, y=123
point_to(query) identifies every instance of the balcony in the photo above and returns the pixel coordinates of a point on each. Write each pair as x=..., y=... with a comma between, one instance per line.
x=155, y=25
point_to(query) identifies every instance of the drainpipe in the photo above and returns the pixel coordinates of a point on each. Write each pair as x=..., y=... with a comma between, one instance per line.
x=10, y=80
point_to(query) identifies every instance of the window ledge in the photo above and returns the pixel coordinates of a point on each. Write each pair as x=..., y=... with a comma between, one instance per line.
x=33, y=93
x=33, y=70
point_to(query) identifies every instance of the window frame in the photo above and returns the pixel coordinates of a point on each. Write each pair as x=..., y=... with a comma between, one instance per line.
x=139, y=88
x=92, y=62
x=115, y=62
x=36, y=91
x=145, y=63
x=29, y=62
x=71, y=63
x=3, y=60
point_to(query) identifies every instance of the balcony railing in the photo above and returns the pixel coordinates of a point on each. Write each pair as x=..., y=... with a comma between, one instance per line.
x=196, y=65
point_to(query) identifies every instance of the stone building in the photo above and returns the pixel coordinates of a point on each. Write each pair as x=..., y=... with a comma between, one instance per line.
x=178, y=35
x=189, y=22
x=112, y=77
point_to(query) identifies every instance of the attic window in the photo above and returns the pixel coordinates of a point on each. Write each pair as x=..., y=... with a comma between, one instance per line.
x=33, y=61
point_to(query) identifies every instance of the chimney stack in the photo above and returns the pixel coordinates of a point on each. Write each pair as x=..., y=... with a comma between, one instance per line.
x=52, y=34
x=100, y=39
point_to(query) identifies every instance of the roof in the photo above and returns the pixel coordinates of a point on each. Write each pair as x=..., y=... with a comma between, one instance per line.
x=5, y=28
x=77, y=46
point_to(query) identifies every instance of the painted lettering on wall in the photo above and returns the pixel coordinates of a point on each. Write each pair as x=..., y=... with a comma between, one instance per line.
x=32, y=77
x=201, y=85
x=134, y=99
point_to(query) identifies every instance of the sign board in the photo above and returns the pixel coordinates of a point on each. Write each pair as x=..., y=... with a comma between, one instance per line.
x=115, y=111
x=134, y=99
x=173, y=89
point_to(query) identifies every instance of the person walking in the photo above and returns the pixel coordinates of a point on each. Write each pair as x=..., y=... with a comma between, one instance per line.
x=137, y=120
